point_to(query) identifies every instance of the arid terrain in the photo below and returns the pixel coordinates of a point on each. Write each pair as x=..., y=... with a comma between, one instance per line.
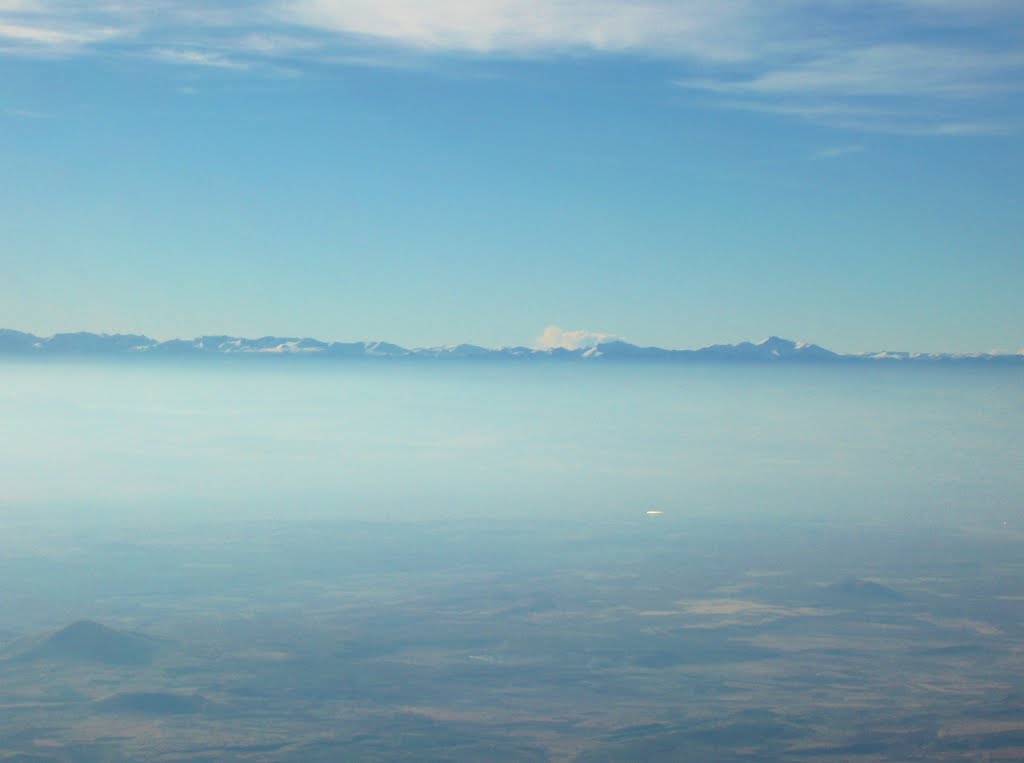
x=652, y=639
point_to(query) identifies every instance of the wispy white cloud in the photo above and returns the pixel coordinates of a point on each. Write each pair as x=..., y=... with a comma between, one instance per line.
x=908, y=89
x=554, y=337
x=892, y=117
x=21, y=6
x=51, y=37
x=963, y=7
x=193, y=57
x=885, y=70
x=26, y=114
x=968, y=128
x=909, y=66
x=272, y=45
x=708, y=30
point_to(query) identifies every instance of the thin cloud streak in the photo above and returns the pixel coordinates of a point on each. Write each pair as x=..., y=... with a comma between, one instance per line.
x=26, y=114
x=197, y=58
x=886, y=70
x=893, y=117
x=51, y=39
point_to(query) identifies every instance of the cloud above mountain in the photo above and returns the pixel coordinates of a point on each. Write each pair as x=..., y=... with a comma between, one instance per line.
x=554, y=337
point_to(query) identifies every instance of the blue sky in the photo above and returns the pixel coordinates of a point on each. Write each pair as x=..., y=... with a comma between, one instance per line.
x=674, y=173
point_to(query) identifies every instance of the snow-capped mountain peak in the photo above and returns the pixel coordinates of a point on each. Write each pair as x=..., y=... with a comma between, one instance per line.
x=773, y=349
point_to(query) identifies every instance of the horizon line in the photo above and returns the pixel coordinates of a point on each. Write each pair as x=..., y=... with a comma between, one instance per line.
x=772, y=347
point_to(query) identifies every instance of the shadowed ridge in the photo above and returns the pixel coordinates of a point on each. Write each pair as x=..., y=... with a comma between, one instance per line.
x=85, y=342
x=617, y=349
x=16, y=341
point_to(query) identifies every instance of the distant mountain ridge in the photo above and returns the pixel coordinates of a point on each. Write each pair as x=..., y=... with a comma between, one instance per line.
x=771, y=350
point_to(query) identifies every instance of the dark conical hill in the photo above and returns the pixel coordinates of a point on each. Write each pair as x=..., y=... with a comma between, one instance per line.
x=90, y=641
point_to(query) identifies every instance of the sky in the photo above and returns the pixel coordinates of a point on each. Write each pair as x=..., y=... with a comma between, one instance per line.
x=672, y=173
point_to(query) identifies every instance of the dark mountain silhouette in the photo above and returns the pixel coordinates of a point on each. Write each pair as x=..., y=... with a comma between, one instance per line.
x=89, y=641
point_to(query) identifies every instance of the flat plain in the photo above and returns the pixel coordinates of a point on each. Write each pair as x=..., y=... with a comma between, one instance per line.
x=649, y=638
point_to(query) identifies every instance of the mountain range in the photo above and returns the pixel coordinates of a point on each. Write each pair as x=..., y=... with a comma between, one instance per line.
x=771, y=350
